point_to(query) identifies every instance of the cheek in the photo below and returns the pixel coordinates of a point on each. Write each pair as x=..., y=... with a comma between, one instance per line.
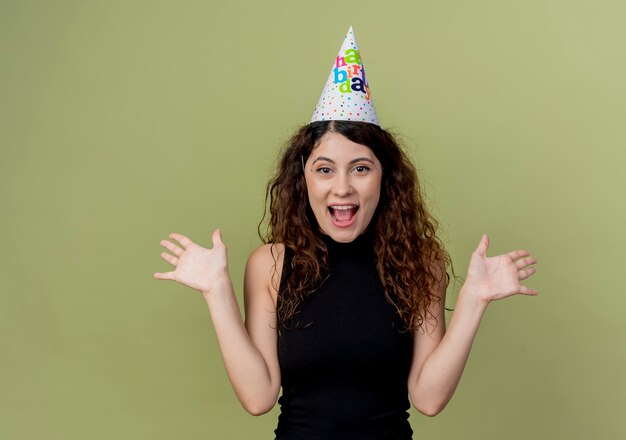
x=310, y=190
x=374, y=191
x=314, y=194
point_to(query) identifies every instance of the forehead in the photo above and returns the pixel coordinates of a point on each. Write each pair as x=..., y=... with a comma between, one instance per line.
x=337, y=147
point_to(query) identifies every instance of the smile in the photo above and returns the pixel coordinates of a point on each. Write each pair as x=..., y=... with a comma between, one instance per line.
x=343, y=215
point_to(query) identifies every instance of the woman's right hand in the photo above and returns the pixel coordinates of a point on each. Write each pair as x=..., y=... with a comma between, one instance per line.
x=195, y=266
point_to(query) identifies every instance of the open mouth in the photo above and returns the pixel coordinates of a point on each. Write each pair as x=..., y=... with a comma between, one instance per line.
x=343, y=214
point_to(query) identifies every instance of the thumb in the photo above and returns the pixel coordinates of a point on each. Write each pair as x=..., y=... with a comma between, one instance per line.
x=483, y=245
x=217, y=238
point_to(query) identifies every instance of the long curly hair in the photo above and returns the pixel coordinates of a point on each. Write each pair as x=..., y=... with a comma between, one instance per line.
x=407, y=249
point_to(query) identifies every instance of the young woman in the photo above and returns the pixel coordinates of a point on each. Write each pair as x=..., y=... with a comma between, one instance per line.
x=344, y=304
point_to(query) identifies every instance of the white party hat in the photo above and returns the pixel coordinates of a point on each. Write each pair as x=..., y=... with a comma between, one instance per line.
x=346, y=96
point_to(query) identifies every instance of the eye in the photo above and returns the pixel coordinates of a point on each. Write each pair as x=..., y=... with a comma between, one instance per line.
x=323, y=170
x=361, y=169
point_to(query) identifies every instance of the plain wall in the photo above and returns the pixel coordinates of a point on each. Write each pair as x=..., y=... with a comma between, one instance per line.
x=123, y=121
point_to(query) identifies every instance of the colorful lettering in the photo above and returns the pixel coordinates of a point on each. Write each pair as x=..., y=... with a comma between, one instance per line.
x=345, y=87
x=343, y=62
x=352, y=78
x=357, y=85
x=340, y=75
x=352, y=57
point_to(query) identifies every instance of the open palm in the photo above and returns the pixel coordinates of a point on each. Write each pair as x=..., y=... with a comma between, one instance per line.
x=195, y=266
x=500, y=276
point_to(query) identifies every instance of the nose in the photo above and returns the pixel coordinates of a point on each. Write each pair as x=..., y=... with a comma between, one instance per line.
x=342, y=185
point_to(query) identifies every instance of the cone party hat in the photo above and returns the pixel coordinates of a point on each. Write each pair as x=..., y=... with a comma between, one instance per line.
x=346, y=96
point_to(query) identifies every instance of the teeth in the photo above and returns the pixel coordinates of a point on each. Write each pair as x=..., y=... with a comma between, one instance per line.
x=343, y=208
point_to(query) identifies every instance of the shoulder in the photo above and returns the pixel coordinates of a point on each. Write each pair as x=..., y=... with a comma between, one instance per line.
x=267, y=256
x=264, y=268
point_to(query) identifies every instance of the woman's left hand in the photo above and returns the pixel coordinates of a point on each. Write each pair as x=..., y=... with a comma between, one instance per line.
x=499, y=277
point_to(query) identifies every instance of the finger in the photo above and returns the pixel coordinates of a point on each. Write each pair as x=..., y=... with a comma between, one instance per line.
x=483, y=245
x=516, y=255
x=169, y=258
x=172, y=247
x=528, y=291
x=164, y=275
x=525, y=262
x=181, y=239
x=217, y=238
x=526, y=273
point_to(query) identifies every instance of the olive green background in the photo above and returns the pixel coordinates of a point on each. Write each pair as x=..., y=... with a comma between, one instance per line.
x=123, y=121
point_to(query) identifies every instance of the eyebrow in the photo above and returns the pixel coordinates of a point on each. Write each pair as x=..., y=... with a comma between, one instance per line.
x=358, y=159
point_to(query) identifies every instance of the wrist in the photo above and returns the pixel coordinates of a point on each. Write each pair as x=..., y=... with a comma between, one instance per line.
x=471, y=296
x=220, y=284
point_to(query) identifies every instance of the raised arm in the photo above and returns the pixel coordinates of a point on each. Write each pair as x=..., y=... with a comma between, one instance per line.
x=439, y=357
x=249, y=354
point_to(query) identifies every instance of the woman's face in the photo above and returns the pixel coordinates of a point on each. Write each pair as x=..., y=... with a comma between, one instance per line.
x=343, y=181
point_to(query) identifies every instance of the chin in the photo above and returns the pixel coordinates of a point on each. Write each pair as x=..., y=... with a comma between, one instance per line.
x=343, y=236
